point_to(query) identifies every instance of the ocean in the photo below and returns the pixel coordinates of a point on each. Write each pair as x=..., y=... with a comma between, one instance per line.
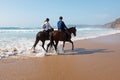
x=18, y=41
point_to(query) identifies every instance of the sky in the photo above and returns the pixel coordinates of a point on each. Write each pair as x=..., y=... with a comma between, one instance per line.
x=32, y=13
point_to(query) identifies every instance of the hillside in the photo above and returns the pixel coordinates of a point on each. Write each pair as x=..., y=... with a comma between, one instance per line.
x=115, y=24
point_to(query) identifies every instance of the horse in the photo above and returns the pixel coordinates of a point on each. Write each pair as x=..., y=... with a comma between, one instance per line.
x=42, y=36
x=61, y=36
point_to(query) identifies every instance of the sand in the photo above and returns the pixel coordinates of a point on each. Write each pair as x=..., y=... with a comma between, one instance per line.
x=92, y=59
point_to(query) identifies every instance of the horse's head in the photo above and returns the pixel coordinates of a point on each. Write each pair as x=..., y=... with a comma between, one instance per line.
x=72, y=30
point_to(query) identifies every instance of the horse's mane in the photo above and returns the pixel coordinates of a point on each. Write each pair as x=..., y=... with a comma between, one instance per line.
x=71, y=28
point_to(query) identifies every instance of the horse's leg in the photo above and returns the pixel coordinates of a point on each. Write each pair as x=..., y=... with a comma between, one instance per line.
x=63, y=45
x=37, y=40
x=51, y=44
x=72, y=44
x=48, y=46
x=43, y=42
x=56, y=45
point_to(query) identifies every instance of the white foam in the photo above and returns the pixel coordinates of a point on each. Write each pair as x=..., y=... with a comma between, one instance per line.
x=95, y=35
x=40, y=54
x=2, y=31
x=22, y=46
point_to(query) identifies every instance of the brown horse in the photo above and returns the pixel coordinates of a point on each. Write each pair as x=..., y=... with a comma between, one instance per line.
x=42, y=36
x=61, y=36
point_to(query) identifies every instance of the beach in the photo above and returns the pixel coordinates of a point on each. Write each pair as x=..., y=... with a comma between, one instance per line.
x=91, y=59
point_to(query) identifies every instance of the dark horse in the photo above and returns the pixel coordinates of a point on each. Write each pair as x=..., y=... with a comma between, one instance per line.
x=42, y=36
x=61, y=36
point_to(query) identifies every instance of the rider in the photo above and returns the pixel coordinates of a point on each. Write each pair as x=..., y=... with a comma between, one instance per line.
x=46, y=26
x=62, y=27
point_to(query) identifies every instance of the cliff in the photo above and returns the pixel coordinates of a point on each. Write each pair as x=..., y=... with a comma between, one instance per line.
x=115, y=24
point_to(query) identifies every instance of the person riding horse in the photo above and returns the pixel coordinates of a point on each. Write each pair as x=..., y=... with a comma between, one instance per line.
x=47, y=27
x=62, y=27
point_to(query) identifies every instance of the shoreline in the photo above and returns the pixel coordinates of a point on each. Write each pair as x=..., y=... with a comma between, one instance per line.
x=92, y=59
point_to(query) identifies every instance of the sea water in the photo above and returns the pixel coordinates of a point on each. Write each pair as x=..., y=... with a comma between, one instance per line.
x=18, y=41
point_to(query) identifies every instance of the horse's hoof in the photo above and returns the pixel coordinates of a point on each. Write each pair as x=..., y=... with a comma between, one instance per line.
x=45, y=54
x=33, y=51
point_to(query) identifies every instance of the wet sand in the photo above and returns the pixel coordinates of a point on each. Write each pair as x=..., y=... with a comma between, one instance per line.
x=92, y=59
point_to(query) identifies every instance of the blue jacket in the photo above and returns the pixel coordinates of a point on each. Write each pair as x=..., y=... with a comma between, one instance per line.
x=61, y=26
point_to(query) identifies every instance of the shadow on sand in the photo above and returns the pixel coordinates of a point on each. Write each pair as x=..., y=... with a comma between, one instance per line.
x=83, y=51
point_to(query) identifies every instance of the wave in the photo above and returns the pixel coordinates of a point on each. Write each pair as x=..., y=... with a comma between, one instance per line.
x=20, y=28
x=90, y=35
x=90, y=28
x=1, y=31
